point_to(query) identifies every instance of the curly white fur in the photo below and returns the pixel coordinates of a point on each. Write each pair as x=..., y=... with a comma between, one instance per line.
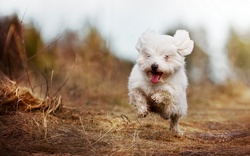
x=158, y=80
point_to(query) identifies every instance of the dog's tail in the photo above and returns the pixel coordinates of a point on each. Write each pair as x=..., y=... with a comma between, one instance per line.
x=183, y=42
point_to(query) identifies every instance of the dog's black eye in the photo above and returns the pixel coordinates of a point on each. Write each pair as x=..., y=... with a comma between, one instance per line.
x=148, y=55
x=166, y=56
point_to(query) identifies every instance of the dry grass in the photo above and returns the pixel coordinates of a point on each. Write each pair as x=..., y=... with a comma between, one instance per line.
x=16, y=98
x=214, y=126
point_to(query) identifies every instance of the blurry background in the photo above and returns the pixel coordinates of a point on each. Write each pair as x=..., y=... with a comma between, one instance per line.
x=89, y=46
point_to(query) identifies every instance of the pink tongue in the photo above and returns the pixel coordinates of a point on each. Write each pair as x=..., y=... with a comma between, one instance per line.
x=155, y=78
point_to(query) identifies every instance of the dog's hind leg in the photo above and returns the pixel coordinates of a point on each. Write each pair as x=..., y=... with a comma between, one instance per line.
x=174, y=125
x=139, y=100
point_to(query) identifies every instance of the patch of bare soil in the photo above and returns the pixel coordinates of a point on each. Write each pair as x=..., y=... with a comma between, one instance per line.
x=215, y=125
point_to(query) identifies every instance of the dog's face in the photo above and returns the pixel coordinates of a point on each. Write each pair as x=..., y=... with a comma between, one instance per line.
x=161, y=55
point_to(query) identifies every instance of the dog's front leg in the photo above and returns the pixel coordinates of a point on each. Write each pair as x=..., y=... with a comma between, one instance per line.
x=162, y=100
x=139, y=100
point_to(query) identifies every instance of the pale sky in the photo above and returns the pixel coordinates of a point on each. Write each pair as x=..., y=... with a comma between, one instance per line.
x=122, y=22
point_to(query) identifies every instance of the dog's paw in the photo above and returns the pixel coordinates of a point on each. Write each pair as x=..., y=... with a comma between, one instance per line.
x=157, y=97
x=142, y=114
x=142, y=111
x=165, y=115
x=176, y=132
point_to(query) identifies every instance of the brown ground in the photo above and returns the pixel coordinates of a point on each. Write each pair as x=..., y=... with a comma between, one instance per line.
x=217, y=124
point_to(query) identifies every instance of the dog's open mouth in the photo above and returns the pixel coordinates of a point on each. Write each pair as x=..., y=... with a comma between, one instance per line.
x=154, y=76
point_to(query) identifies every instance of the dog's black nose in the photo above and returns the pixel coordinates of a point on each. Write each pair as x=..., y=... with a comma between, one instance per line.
x=154, y=67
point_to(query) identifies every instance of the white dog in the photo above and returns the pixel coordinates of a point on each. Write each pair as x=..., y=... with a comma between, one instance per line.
x=158, y=80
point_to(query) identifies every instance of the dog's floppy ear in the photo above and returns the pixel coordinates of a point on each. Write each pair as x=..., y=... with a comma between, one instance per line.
x=142, y=40
x=183, y=43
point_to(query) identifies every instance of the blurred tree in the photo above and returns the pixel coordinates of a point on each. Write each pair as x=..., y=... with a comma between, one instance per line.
x=68, y=47
x=33, y=40
x=95, y=52
x=12, y=53
x=22, y=49
x=239, y=55
x=94, y=40
x=197, y=66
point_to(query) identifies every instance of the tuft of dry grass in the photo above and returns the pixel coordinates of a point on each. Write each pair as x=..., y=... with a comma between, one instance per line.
x=16, y=98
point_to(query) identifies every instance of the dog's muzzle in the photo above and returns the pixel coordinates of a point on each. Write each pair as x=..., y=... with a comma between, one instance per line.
x=154, y=74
